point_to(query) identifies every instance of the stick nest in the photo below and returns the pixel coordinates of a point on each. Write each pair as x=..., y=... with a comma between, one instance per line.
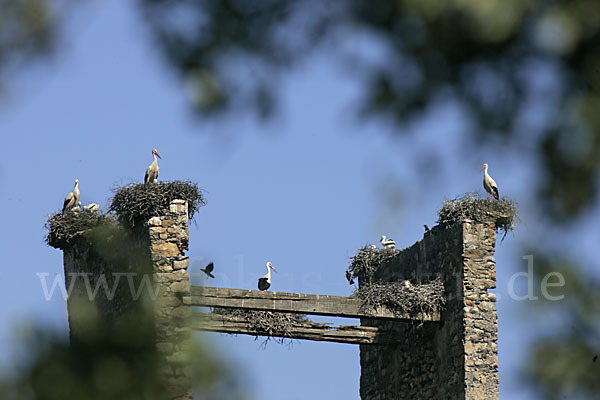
x=137, y=203
x=265, y=322
x=366, y=262
x=470, y=206
x=417, y=300
x=63, y=228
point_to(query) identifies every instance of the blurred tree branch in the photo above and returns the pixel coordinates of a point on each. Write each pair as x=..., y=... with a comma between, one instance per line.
x=564, y=361
x=27, y=32
x=484, y=56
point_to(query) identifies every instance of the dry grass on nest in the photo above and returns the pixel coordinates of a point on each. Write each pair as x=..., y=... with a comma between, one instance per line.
x=265, y=322
x=503, y=212
x=366, y=262
x=137, y=203
x=64, y=227
x=417, y=300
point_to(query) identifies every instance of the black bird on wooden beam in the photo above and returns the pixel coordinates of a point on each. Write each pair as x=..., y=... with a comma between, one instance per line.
x=264, y=282
x=349, y=278
x=208, y=269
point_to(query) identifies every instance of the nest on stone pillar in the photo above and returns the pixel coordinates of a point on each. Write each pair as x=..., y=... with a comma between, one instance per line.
x=137, y=203
x=502, y=212
x=64, y=227
x=416, y=300
x=265, y=322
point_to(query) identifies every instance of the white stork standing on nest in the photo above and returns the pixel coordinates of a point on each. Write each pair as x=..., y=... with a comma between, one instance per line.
x=152, y=171
x=489, y=184
x=387, y=243
x=72, y=198
x=92, y=207
x=77, y=207
x=264, y=282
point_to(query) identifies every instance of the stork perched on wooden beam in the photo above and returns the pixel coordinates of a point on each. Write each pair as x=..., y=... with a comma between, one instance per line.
x=264, y=282
x=72, y=199
x=152, y=171
x=489, y=184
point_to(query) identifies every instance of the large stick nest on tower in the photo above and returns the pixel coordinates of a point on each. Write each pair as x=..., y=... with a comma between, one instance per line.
x=265, y=322
x=401, y=298
x=366, y=262
x=470, y=206
x=137, y=203
x=64, y=227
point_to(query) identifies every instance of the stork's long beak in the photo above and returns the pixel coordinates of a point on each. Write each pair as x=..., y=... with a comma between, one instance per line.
x=158, y=155
x=273, y=268
x=481, y=169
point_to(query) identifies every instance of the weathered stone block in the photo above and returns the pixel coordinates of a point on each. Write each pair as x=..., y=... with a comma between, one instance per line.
x=165, y=249
x=180, y=264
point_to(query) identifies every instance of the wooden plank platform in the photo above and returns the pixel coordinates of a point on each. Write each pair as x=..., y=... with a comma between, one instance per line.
x=307, y=330
x=310, y=304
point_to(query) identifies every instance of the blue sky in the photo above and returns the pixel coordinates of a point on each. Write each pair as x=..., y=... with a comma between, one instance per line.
x=304, y=191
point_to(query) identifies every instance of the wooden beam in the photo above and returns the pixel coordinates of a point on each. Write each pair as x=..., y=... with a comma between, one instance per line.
x=307, y=330
x=311, y=304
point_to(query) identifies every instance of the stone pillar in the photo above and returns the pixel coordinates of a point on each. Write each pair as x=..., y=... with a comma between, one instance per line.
x=455, y=358
x=150, y=304
x=168, y=236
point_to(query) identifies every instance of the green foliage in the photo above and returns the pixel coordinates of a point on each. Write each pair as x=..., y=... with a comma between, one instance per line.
x=565, y=362
x=27, y=31
x=108, y=366
x=484, y=56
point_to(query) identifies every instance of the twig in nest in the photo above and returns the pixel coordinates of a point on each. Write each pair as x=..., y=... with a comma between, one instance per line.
x=503, y=212
x=137, y=203
x=266, y=322
x=416, y=300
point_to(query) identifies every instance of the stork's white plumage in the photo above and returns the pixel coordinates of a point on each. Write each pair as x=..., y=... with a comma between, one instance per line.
x=72, y=198
x=489, y=184
x=264, y=282
x=77, y=207
x=152, y=171
x=92, y=207
x=387, y=243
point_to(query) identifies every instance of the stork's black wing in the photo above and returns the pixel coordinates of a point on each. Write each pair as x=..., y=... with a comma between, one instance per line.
x=263, y=284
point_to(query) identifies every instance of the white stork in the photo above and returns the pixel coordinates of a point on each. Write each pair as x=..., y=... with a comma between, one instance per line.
x=264, y=282
x=77, y=207
x=489, y=184
x=72, y=198
x=152, y=171
x=92, y=207
x=387, y=243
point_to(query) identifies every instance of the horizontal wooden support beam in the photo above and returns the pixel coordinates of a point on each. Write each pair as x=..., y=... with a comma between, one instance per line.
x=307, y=330
x=310, y=304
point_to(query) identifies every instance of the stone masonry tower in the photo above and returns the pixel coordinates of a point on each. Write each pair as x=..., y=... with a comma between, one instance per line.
x=457, y=357
x=137, y=279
